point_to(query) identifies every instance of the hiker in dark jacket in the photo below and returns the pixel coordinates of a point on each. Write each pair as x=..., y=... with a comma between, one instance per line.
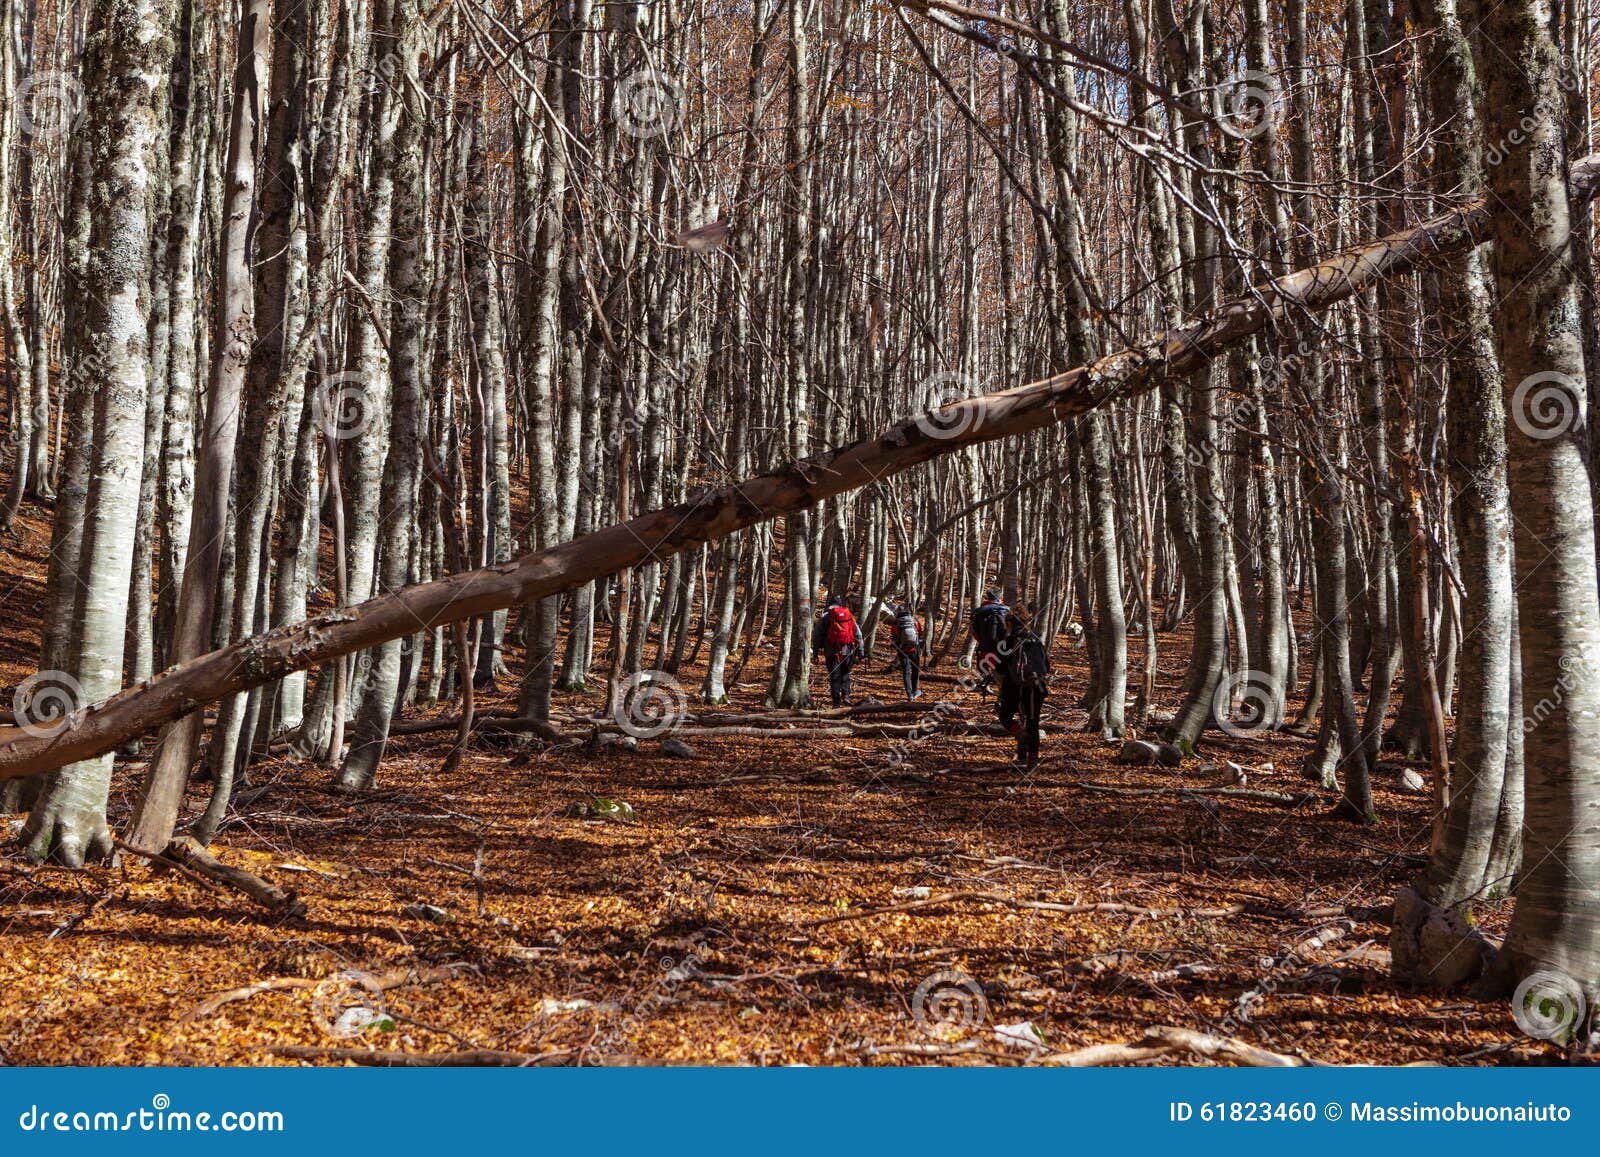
x=1023, y=675
x=989, y=628
x=837, y=638
x=908, y=644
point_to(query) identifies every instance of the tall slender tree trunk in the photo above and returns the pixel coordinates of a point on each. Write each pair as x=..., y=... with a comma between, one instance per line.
x=378, y=689
x=1458, y=869
x=126, y=81
x=233, y=334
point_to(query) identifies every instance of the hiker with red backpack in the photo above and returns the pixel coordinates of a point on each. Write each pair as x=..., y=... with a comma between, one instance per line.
x=1023, y=674
x=909, y=642
x=837, y=638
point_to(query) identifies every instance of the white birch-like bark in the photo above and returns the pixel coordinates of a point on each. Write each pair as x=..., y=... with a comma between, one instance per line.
x=126, y=90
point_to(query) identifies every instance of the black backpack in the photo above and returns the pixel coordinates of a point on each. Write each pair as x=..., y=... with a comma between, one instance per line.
x=989, y=624
x=905, y=626
x=1029, y=662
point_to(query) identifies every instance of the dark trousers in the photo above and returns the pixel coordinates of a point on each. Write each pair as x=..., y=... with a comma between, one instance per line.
x=910, y=670
x=1028, y=702
x=839, y=664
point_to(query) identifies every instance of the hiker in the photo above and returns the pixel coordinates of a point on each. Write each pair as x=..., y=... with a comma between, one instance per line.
x=989, y=628
x=1023, y=674
x=908, y=644
x=837, y=638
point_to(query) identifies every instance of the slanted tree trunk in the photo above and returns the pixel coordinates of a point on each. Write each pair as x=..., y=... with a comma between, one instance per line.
x=189, y=133
x=715, y=513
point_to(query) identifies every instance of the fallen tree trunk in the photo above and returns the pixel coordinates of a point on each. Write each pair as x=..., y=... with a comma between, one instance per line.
x=709, y=514
x=187, y=852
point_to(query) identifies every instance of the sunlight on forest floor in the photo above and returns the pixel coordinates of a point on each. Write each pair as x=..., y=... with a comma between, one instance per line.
x=692, y=934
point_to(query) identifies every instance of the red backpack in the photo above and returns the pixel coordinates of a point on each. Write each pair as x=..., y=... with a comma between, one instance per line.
x=841, y=627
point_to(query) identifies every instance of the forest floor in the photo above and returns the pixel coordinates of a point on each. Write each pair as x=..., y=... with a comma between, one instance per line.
x=738, y=919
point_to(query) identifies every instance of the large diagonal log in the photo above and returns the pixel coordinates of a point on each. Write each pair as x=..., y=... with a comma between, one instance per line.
x=713, y=514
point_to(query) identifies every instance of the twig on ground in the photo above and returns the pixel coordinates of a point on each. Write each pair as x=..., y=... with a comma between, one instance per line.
x=383, y=981
x=1165, y=1040
x=1032, y=905
x=1281, y=799
x=466, y=1058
